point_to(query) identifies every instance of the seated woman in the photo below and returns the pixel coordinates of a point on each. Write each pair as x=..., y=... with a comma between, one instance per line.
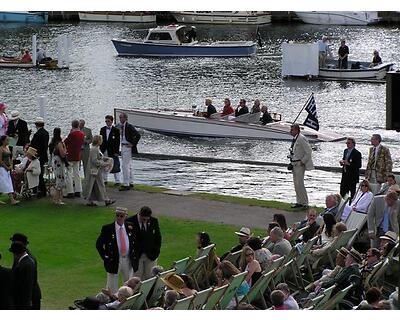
x=202, y=241
x=266, y=117
x=326, y=231
x=321, y=250
x=26, y=57
x=280, y=219
x=227, y=109
x=30, y=168
x=250, y=264
x=262, y=255
x=376, y=60
x=361, y=201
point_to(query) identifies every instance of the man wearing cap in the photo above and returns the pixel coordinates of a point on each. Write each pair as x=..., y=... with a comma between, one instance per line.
x=18, y=129
x=148, y=242
x=24, y=276
x=88, y=138
x=40, y=142
x=243, y=234
x=6, y=288
x=115, y=245
x=383, y=217
x=36, y=292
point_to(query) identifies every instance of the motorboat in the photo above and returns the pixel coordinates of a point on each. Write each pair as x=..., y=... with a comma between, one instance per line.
x=118, y=16
x=355, y=18
x=189, y=124
x=23, y=17
x=223, y=17
x=180, y=41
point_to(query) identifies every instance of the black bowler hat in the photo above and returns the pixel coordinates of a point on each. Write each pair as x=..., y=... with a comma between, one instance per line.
x=17, y=247
x=20, y=237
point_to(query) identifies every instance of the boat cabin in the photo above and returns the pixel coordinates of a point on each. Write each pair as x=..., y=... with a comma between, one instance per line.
x=172, y=34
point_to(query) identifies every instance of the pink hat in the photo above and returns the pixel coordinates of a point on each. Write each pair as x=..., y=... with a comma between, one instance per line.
x=2, y=106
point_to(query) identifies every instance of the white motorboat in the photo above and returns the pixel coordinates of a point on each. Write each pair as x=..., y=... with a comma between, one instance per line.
x=355, y=18
x=223, y=17
x=180, y=123
x=117, y=16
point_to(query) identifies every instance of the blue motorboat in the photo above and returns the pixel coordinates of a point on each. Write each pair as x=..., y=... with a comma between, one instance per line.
x=180, y=41
x=23, y=17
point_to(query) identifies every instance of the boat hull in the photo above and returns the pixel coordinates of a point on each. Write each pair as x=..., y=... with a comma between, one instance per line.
x=217, y=49
x=23, y=17
x=240, y=18
x=185, y=124
x=355, y=18
x=105, y=17
x=376, y=73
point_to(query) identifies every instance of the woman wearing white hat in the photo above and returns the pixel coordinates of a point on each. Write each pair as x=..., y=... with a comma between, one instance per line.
x=6, y=185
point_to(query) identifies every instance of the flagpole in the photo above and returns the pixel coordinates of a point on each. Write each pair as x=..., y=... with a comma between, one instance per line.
x=309, y=97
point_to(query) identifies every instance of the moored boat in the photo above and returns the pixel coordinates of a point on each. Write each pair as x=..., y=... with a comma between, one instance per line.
x=117, y=16
x=355, y=18
x=187, y=124
x=180, y=41
x=23, y=17
x=223, y=17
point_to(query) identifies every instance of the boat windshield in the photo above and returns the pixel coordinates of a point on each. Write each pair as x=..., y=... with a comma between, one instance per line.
x=160, y=36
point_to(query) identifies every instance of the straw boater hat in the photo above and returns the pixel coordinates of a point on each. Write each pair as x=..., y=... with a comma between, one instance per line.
x=342, y=252
x=39, y=120
x=14, y=115
x=121, y=210
x=354, y=254
x=32, y=151
x=244, y=232
x=173, y=281
x=390, y=235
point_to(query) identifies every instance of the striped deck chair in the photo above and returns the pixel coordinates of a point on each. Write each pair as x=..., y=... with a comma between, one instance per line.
x=274, y=265
x=341, y=207
x=313, y=302
x=215, y=297
x=182, y=304
x=130, y=302
x=197, y=268
x=200, y=299
x=234, y=257
x=230, y=292
x=355, y=220
x=158, y=290
x=181, y=265
x=145, y=288
x=303, y=262
x=297, y=233
x=377, y=276
x=205, y=251
x=258, y=289
x=333, y=302
x=326, y=294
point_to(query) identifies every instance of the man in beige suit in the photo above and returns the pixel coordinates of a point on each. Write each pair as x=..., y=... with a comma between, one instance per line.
x=300, y=159
x=382, y=217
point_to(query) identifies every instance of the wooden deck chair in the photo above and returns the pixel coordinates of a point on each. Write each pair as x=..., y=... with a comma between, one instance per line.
x=297, y=233
x=215, y=297
x=274, y=265
x=258, y=289
x=326, y=294
x=230, y=292
x=200, y=299
x=303, y=262
x=369, y=278
x=344, y=240
x=313, y=302
x=158, y=290
x=341, y=207
x=378, y=277
x=334, y=301
x=195, y=268
x=181, y=265
x=145, y=288
x=234, y=257
x=130, y=302
x=375, y=187
x=284, y=272
x=355, y=220
x=183, y=304
x=266, y=241
x=205, y=251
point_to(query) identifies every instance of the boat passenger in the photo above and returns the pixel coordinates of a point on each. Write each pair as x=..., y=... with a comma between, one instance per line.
x=376, y=60
x=241, y=108
x=26, y=57
x=323, y=50
x=256, y=106
x=210, y=108
x=191, y=35
x=343, y=53
x=266, y=117
x=227, y=109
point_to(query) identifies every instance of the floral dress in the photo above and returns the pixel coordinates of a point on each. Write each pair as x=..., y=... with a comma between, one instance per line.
x=58, y=165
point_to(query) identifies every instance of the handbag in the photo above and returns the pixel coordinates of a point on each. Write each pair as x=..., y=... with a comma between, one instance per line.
x=117, y=165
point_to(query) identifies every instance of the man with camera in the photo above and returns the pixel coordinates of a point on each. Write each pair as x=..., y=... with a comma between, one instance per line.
x=300, y=161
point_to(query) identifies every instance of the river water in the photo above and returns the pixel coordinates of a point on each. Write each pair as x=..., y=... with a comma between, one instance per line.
x=98, y=81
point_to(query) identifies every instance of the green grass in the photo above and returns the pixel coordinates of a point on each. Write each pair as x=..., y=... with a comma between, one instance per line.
x=63, y=241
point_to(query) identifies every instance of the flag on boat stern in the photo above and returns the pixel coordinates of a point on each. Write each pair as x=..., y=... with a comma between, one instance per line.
x=312, y=118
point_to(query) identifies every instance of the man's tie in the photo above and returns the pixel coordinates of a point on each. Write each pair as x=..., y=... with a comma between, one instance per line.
x=373, y=158
x=143, y=227
x=123, y=131
x=385, y=222
x=122, y=241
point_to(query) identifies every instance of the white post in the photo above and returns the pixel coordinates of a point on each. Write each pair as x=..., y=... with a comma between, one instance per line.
x=42, y=106
x=68, y=48
x=59, y=52
x=34, y=56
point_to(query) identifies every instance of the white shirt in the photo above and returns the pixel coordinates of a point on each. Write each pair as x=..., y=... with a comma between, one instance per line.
x=22, y=257
x=108, y=130
x=323, y=46
x=361, y=202
x=123, y=137
x=117, y=227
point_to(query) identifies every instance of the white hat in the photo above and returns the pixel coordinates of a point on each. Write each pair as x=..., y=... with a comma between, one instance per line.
x=244, y=232
x=14, y=115
x=39, y=120
x=391, y=236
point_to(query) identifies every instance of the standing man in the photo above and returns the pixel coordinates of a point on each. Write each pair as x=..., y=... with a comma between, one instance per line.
x=74, y=143
x=343, y=53
x=115, y=245
x=379, y=161
x=87, y=140
x=36, y=292
x=40, y=141
x=351, y=164
x=24, y=274
x=148, y=243
x=129, y=140
x=110, y=146
x=300, y=159
x=382, y=217
x=18, y=129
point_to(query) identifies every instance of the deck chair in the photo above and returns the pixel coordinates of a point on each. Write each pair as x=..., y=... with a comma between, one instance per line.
x=266, y=241
x=326, y=294
x=377, y=276
x=303, y=262
x=297, y=233
x=145, y=288
x=375, y=187
x=200, y=299
x=234, y=257
x=313, y=302
x=195, y=268
x=341, y=207
x=130, y=302
x=284, y=272
x=258, y=289
x=205, y=251
x=158, y=290
x=274, y=265
x=255, y=117
x=230, y=292
x=214, y=298
x=334, y=301
x=181, y=265
x=355, y=220
x=182, y=304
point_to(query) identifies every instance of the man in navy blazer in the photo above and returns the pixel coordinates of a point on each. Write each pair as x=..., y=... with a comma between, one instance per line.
x=110, y=145
x=6, y=288
x=115, y=245
x=351, y=164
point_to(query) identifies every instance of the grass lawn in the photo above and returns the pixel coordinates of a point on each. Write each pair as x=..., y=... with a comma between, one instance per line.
x=63, y=241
